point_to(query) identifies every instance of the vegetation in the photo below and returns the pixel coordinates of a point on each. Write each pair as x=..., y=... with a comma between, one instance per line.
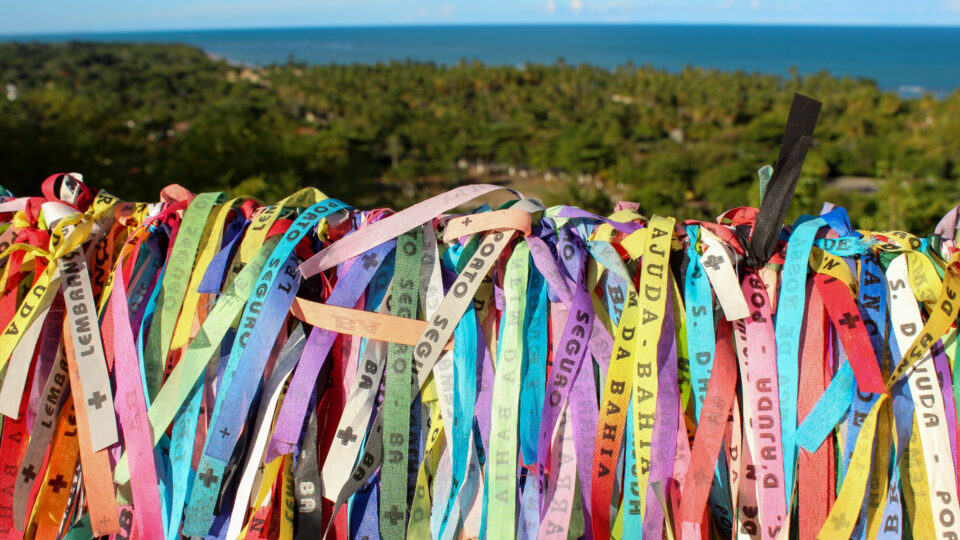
x=134, y=118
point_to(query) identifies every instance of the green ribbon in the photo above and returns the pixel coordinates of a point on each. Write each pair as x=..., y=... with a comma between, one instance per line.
x=396, y=400
x=176, y=277
x=504, y=438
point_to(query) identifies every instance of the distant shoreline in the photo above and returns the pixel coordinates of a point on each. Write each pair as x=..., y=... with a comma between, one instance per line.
x=6, y=36
x=909, y=60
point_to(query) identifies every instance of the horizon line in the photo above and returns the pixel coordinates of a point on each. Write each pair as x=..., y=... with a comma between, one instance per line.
x=492, y=24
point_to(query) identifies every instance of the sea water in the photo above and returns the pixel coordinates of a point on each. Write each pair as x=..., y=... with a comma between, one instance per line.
x=908, y=60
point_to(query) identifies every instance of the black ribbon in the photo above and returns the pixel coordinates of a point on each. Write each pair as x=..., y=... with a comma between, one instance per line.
x=797, y=138
x=306, y=476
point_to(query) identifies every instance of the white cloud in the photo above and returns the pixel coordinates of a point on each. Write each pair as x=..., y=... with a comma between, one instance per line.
x=577, y=5
x=953, y=5
x=755, y=4
x=422, y=11
x=447, y=9
x=550, y=7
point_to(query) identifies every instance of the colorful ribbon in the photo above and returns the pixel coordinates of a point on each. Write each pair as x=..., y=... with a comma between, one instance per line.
x=225, y=369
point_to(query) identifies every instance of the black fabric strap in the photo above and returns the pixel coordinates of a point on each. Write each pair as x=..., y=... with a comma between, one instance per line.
x=776, y=201
x=309, y=523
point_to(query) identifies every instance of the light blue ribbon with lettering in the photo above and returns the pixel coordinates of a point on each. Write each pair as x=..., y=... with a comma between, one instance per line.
x=699, y=313
x=534, y=370
x=632, y=514
x=847, y=246
x=790, y=311
x=144, y=323
x=267, y=309
x=701, y=343
x=181, y=455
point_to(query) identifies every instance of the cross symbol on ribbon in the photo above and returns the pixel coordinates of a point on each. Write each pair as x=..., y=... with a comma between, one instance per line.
x=840, y=521
x=96, y=400
x=369, y=260
x=713, y=262
x=57, y=483
x=849, y=320
x=346, y=436
x=394, y=515
x=208, y=478
x=28, y=474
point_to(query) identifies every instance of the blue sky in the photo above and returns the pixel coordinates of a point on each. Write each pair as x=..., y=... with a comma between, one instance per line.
x=118, y=15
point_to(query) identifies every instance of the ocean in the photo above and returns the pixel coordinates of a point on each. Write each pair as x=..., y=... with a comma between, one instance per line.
x=908, y=60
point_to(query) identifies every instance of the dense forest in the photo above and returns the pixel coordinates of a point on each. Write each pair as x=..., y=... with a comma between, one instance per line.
x=135, y=117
